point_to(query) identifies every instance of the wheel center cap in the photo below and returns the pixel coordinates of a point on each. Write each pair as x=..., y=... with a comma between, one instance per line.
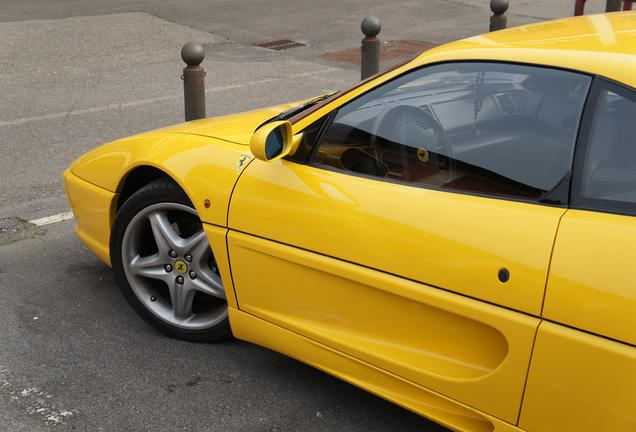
x=180, y=267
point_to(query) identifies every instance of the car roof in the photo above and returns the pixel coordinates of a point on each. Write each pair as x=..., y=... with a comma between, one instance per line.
x=603, y=44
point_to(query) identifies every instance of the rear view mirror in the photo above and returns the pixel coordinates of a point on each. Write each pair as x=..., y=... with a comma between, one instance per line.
x=273, y=141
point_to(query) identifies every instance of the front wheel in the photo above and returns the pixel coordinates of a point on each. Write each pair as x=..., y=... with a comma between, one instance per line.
x=165, y=267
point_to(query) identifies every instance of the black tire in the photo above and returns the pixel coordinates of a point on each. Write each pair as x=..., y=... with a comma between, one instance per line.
x=165, y=267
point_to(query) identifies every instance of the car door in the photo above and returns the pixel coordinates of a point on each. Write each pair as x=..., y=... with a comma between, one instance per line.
x=413, y=228
x=582, y=376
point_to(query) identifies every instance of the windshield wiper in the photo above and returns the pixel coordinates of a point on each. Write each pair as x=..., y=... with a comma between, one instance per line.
x=292, y=112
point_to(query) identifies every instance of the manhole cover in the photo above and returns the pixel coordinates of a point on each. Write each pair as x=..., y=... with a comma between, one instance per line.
x=388, y=51
x=280, y=44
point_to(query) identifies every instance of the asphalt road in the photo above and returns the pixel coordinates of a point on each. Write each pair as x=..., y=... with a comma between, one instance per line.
x=73, y=75
x=74, y=356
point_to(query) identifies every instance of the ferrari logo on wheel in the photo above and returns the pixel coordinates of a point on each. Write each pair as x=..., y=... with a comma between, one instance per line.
x=181, y=267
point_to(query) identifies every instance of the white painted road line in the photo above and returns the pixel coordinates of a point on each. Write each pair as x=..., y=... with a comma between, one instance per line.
x=52, y=219
x=119, y=106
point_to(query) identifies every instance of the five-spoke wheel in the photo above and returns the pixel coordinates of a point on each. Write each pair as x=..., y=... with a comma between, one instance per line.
x=165, y=267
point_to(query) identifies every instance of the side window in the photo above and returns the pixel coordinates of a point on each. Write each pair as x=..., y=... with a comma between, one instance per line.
x=608, y=174
x=495, y=129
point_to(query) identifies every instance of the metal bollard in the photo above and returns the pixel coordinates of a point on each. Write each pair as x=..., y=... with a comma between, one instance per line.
x=498, y=21
x=370, y=48
x=579, y=7
x=613, y=5
x=193, y=81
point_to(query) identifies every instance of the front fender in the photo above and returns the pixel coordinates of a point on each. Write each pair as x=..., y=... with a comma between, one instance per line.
x=206, y=168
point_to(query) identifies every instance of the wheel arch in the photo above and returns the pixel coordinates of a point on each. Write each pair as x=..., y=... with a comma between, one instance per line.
x=136, y=179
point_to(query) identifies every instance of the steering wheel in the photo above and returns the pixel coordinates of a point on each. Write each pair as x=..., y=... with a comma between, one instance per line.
x=416, y=132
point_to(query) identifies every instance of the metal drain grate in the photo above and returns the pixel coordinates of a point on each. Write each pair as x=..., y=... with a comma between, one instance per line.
x=280, y=44
x=388, y=51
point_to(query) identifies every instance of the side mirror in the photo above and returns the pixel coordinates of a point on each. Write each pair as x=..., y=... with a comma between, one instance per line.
x=274, y=141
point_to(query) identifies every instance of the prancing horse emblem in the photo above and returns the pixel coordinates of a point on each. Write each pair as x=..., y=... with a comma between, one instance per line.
x=422, y=155
x=180, y=267
x=241, y=162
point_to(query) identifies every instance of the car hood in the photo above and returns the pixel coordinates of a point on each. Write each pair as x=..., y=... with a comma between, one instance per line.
x=236, y=128
x=106, y=165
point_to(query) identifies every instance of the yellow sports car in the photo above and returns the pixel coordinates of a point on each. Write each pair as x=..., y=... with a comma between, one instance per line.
x=456, y=234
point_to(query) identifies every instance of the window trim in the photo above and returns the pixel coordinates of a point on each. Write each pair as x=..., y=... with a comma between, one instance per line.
x=577, y=200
